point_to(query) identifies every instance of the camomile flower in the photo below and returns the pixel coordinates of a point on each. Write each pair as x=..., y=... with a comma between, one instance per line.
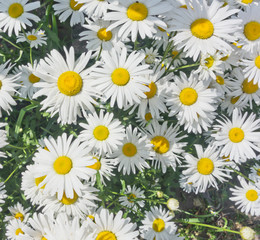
x=133, y=152
x=66, y=85
x=133, y=17
x=242, y=87
x=122, y=78
x=15, y=15
x=69, y=8
x=7, y=88
x=34, y=38
x=249, y=33
x=76, y=206
x=255, y=172
x=247, y=233
x=231, y=58
x=158, y=225
x=238, y=138
x=166, y=145
x=247, y=197
x=98, y=38
x=230, y=103
x=186, y=186
x=131, y=193
x=203, y=171
x=63, y=166
x=102, y=133
x=176, y=59
x=251, y=63
x=27, y=79
x=95, y=8
x=147, y=120
x=204, y=29
x=190, y=98
x=151, y=55
x=222, y=84
x=244, y=4
x=104, y=166
x=2, y=194
x=110, y=226
x=18, y=212
x=16, y=229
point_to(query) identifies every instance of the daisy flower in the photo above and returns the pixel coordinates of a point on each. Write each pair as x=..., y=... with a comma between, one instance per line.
x=18, y=212
x=34, y=38
x=251, y=63
x=186, y=186
x=230, y=103
x=133, y=152
x=148, y=119
x=27, y=80
x=122, y=78
x=137, y=17
x=204, y=29
x=238, y=138
x=63, y=166
x=102, y=133
x=151, y=55
x=190, y=98
x=157, y=225
x=242, y=87
x=222, y=84
x=255, y=172
x=15, y=229
x=247, y=197
x=244, y=4
x=108, y=226
x=203, y=170
x=131, y=193
x=249, y=33
x=176, y=59
x=69, y=8
x=66, y=84
x=166, y=145
x=2, y=194
x=15, y=15
x=95, y=8
x=247, y=233
x=7, y=88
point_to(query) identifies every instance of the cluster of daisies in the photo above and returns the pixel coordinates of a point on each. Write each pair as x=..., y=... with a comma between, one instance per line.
x=189, y=99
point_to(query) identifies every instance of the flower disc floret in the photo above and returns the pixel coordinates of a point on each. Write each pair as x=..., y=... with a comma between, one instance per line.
x=62, y=165
x=252, y=195
x=257, y=61
x=158, y=225
x=202, y=28
x=120, y=76
x=137, y=11
x=15, y=10
x=236, y=135
x=220, y=80
x=70, y=83
x=153, y=90
x=249, y=87
x=96, y=165
x=205, y=166
x=106, y=235
x=129, y=149
x=252, y=30
x=188, y=96
x=104, y=35
x=31, y=37
x=101, y=133
x=19, y=216
x=18, y=231
x=68, y=201
x=33, y=78
x=75, y=5
x=161, y=144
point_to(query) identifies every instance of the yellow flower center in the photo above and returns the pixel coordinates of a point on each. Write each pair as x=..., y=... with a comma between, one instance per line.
x=153, y=90
x=233, y=100
x=209, y=62
x=220, y=80
x=68, y=201
x=18, y=231
x=75, y=5
x=148, y=116
x=202, y=28
x=249, y=87
x=158, y=225
x=224, y=58
x=39, y=180
x=120, y=76
x=205, y=166
x=106, y=235
x=161, y=29
x=19, y=216
x=184, y=6
x=44, y=238
x=251, y=195
x=91, y=217
x=188, y=96
x=96, y=165
x=15, y=10
x=247, y=1
x=252, y=30
x=236, y=134
x=174, y=54
x=104, y=35
x=161, y=144
x=137, y=11
x=62, y=165
x=258, y=171
x=101, y=132
x=70, y=83
x=129, y=149
x=1, y=84
x=33, y=79
x=257, y=61
x=31, y=37
x=130, y=197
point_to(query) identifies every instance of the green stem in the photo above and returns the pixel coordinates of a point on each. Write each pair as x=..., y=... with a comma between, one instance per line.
x=12, y=173
x=199, y=216
x=186, y=66
x=11, y=42
x=209, y=226
x=12, y=146
x=31, y=58
x=241, y=174
x=99, y=53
